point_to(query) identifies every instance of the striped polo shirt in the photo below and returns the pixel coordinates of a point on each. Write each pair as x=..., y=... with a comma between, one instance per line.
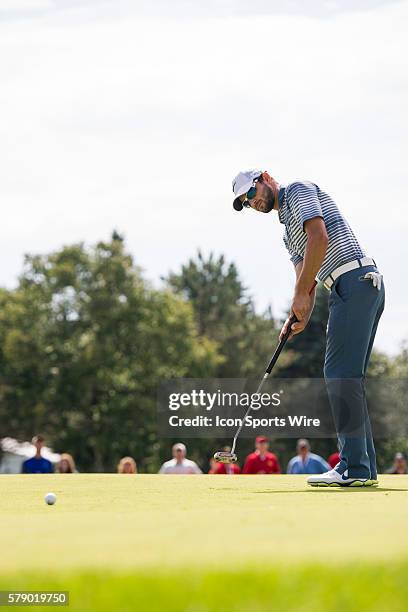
x=303, y=200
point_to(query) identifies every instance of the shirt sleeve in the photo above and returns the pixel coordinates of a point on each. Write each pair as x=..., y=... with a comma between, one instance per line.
x=304, y=202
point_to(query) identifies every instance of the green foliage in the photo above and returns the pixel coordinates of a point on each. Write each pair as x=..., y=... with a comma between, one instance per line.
x=225, y=313
x=400, y=365
x=84, y=343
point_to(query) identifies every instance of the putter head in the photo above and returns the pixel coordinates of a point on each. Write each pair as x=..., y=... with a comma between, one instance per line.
x=225, y=457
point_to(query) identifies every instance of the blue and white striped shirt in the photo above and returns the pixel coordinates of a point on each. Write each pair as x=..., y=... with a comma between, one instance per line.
x=303, y=200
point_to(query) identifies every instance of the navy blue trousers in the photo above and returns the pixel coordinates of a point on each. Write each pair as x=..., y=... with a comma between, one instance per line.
x=355, y=308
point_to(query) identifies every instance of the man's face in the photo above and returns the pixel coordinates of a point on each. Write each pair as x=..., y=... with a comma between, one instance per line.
x=264, y=199
x=38, y=445
x=179, y=454
x=303, y=450
x=262, y=447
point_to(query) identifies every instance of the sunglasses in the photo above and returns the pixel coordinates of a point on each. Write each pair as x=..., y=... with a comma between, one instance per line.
x=250, y=194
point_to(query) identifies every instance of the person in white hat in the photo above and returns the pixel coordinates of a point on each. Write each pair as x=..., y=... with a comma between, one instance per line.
x=322, y=246
x=179, y=464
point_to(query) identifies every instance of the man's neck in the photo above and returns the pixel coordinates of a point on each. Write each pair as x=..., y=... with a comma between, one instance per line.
x=276, y=189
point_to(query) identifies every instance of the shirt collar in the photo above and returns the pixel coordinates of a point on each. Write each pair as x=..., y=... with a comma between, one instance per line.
x=282, y=203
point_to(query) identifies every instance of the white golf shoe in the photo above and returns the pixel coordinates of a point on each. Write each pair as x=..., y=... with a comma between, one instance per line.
x=334, y=479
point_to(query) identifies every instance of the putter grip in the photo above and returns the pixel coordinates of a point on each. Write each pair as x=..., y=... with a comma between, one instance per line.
x=293, y=319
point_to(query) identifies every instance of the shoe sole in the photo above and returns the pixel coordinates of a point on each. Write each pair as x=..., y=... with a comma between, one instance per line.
x=372, y=483
x=356, y=483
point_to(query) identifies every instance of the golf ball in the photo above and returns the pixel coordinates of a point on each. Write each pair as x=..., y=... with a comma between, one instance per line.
x=50, y=499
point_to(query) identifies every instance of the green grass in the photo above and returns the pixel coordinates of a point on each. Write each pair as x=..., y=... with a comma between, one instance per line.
x=199, y=543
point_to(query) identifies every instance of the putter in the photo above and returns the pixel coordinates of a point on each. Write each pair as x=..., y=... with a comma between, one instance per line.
x=230, y=457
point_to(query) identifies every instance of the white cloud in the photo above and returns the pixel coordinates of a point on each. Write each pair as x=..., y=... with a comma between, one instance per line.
x=140, y=122
x=22, y=6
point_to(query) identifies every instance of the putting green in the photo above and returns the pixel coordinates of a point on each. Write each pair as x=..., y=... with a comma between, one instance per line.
x=167, y=530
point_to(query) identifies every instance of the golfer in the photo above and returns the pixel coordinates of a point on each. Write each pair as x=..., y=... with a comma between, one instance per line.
x=322, y=246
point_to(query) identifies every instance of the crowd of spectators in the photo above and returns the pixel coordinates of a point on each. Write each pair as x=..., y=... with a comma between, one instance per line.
x=261, y=461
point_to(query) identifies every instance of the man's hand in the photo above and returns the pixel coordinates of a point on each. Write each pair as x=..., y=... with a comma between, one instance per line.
x=302, y=307
x=302, y=304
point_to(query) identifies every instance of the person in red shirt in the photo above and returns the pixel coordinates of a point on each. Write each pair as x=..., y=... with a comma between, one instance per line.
x=333, y=459
x=213, y=466
x=261, y=461
x=228, y=468
x=224, y=468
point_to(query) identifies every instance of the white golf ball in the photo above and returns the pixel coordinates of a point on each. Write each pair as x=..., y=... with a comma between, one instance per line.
x=50, y=499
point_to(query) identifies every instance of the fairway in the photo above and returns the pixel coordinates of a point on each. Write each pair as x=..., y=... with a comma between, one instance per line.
x=175, y=530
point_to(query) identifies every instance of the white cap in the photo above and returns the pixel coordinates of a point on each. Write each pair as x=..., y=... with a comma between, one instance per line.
x=180, y=446
x=243, y=183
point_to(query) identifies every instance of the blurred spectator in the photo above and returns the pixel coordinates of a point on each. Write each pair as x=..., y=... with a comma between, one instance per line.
x=306, y=462
x=13, y=453
x=127, y=465
x=334, y=459
x=399, y=466
x=213, y=466
x=179, y=464
x=262, y=461
x=66, y=464
x=37, y=464
x=224, y=468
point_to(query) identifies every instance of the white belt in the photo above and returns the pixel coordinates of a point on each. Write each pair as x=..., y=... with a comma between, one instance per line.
x=350, y=265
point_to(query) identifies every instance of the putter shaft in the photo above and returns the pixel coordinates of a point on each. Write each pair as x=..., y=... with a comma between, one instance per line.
x=274, y=359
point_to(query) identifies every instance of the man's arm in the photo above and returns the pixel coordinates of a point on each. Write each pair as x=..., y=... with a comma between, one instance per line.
x=306, y=270
x=316, y=247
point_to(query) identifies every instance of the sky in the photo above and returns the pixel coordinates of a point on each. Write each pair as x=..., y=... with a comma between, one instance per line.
x=136, y=116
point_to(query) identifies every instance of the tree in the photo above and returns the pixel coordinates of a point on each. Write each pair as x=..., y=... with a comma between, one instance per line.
x=84, y=343
x=225, y=313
